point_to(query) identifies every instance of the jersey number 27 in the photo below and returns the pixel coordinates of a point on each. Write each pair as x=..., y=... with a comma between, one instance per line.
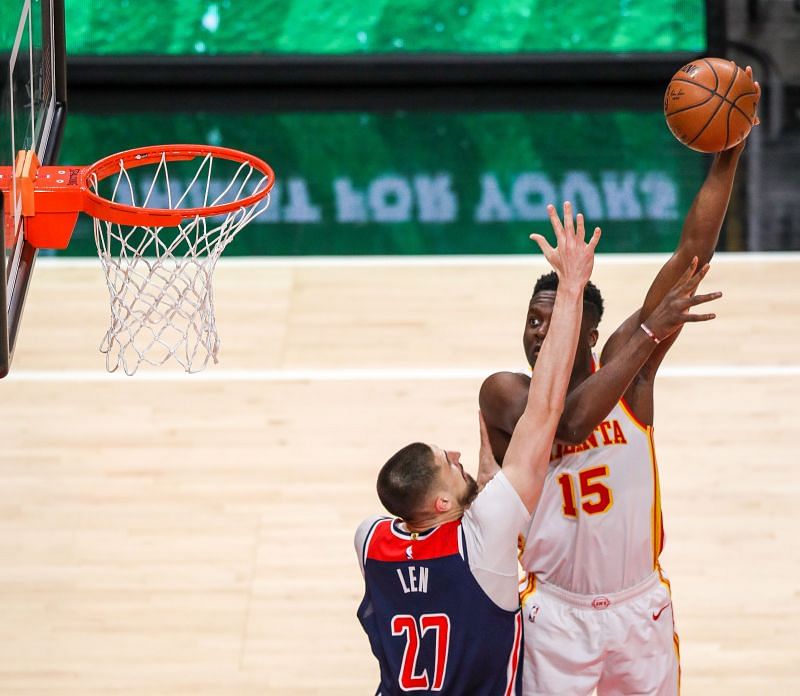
x=405, y=624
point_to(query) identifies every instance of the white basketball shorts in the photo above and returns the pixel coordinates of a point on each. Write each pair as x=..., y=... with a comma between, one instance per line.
x=620, y=644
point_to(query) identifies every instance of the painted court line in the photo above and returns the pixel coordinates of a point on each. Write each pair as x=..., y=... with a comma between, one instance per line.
x=367, y=374
x=444, y=260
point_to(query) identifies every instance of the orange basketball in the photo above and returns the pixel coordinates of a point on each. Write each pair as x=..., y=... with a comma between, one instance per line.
x=710, y=104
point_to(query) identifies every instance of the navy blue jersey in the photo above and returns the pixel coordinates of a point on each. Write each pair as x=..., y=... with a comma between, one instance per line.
x=429, y=622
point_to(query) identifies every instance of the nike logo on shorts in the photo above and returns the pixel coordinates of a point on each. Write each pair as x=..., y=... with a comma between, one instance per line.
x=657, y=615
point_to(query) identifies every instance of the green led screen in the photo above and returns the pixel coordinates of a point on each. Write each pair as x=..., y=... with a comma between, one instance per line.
x=428, y=182
x=343, y=27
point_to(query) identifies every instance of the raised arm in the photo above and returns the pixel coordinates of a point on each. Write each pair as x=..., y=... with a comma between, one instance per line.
x=593, y=399
x=700, y=232
x=699, y=237
x=528, y=453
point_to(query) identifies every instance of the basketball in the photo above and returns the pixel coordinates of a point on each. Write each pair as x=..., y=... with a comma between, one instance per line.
x=710, y=104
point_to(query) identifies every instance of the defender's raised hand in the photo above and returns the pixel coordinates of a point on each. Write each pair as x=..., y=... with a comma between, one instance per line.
x=673, y=310
x=573, y=257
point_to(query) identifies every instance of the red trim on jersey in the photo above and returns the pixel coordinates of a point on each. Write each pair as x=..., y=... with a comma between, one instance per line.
x=513, y=662
x=391, y=544
x=629, y=411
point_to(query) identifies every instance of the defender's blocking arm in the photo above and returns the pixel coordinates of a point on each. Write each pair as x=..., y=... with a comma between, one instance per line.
x=529, y=448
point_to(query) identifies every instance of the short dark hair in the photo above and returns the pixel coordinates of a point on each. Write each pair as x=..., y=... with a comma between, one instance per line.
x=406, y=478
x=591, y=293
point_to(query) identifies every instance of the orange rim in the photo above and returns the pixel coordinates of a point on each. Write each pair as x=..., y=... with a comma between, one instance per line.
x=102, y=208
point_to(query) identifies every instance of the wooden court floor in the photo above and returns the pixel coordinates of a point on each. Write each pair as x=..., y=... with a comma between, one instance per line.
x=173, y=534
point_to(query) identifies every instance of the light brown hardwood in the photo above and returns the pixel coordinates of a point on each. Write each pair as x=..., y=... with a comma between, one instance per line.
x=190, y=536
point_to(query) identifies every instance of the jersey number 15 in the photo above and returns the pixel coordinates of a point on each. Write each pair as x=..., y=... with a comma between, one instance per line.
x=595, y=496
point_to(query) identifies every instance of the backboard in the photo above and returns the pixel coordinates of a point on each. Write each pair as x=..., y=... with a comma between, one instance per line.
x=33, y=110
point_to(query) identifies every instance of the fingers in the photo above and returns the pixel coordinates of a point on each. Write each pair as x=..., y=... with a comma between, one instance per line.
x=749, y=71
x=580, y=227
x=701, y=273
x=544, y=245
x=569, y=229
x=687, y=275
x=693, y=318
x=570, y=237
x=595, y=238
x=697, y=300
x=686, y=285
x=555, y=222
x=756, y=119
x=696, y=279
x=702, y=299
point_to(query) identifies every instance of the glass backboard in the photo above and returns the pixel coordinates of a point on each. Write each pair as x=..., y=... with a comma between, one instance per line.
x=33, y=112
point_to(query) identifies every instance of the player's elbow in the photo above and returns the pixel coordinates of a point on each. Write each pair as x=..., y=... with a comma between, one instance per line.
x=574, y=430
x=693, y=246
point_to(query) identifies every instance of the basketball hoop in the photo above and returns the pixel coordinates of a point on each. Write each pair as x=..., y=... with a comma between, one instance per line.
x=161, y=222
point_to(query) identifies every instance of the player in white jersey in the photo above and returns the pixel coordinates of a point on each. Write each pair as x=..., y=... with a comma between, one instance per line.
x=620, y=538
x=597, y=598
x=596, y=605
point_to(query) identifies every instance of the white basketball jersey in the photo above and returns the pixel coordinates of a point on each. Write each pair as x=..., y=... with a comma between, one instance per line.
x=597, y=528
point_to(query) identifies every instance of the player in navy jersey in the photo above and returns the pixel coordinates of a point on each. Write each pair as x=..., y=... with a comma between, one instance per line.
x=440, y=607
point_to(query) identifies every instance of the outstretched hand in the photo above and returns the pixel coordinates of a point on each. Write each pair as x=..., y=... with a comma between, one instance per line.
x=572, y=258
x=673, y=311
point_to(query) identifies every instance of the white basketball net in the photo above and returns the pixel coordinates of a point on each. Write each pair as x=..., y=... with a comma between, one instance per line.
x=160, y=278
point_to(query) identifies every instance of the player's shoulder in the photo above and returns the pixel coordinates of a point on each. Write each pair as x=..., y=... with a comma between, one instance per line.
x=505, y=383
x=503, y=394
x=363, y=532
x=366, y=528
x=494, y=501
